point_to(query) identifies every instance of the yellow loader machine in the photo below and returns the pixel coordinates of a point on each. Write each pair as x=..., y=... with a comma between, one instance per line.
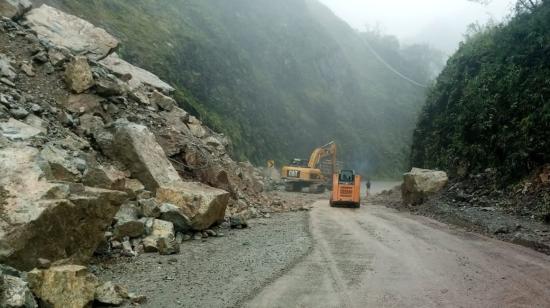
x=300, y=174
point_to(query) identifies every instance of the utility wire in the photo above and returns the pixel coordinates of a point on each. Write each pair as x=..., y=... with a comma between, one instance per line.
x=395, y=71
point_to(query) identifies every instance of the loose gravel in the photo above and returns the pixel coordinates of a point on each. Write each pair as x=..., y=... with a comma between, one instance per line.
x=218, y=272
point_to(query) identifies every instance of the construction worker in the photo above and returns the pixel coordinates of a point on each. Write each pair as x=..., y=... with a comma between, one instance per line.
x=368, y=186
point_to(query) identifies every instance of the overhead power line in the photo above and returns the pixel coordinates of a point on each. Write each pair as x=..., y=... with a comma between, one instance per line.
x=391, y=68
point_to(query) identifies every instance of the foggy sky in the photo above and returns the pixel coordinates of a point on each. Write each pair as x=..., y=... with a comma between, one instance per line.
x=438, y=22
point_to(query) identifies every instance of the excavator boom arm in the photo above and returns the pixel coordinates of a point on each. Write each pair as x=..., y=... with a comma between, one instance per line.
x=322, y=152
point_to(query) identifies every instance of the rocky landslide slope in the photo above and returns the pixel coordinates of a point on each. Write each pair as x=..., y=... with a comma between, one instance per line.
x=97, y=157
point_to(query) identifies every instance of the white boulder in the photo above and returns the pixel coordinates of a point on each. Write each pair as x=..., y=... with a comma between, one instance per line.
x=70, y=32
x=419, y=184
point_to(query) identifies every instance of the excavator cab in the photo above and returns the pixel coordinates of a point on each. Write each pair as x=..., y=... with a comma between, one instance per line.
x=346, y=189
x=298, y=162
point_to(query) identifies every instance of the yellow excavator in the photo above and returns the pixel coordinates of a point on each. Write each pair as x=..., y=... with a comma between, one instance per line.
x=300, y=174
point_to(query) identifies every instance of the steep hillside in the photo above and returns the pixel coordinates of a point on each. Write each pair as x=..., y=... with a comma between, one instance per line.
x=491, y=105
x=278, y=77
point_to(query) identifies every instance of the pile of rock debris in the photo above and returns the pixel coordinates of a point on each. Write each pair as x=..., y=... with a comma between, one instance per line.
x=97, y=157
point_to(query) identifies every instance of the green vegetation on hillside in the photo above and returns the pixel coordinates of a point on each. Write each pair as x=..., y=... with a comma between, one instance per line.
x=279, y=77
x=490, y=107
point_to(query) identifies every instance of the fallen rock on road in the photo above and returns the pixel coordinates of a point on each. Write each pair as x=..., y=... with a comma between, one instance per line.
x=420, y=184
x=203, y=205
x=69, y=286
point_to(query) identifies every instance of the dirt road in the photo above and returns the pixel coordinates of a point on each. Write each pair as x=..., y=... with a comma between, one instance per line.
x=378, y=257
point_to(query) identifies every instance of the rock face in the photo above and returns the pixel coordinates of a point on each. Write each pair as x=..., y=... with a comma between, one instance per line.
x=14, y=291
x=84, y=103
x=6, y=70
x=14, y=8
x=70, y=32
x=204, y=205
x=58, y=165
x=136, y=147
x=69, y=286
x=78, y=75
x=42, y=219
x=419, y=184
x=106, y=177
x=138, y=76
x=76, y=122
x=18, y=131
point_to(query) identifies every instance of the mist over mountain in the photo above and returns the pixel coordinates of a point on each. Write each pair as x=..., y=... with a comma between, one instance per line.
x=441, y=24
x=279, y=78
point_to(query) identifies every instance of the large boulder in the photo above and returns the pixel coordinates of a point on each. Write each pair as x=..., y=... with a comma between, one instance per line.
x=59, y=165
x=68, y=286
x=162, y=238
x=164, y=102
x=107, y=177
x=90, y=125
x=127, y=222
x=251, y=178
x=138, y=76
x=18, y=131
x=108, y=86
x=419, y=184
x=136, y=147
x=14, y=291
x=202, y=204
x=50, y=220
x=197, y=130
x=176, y=135
x=214, y=175
x=78, y=75
x=70, y=32
x=149, y=208
x=14, y=8
x=133, y=188
x=174, y=214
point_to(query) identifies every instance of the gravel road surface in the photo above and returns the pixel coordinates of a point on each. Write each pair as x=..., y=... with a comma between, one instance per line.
x=378, y=257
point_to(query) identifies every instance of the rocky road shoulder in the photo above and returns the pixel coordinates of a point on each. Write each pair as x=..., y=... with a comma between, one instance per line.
x=218, y=272
x=489, y=215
